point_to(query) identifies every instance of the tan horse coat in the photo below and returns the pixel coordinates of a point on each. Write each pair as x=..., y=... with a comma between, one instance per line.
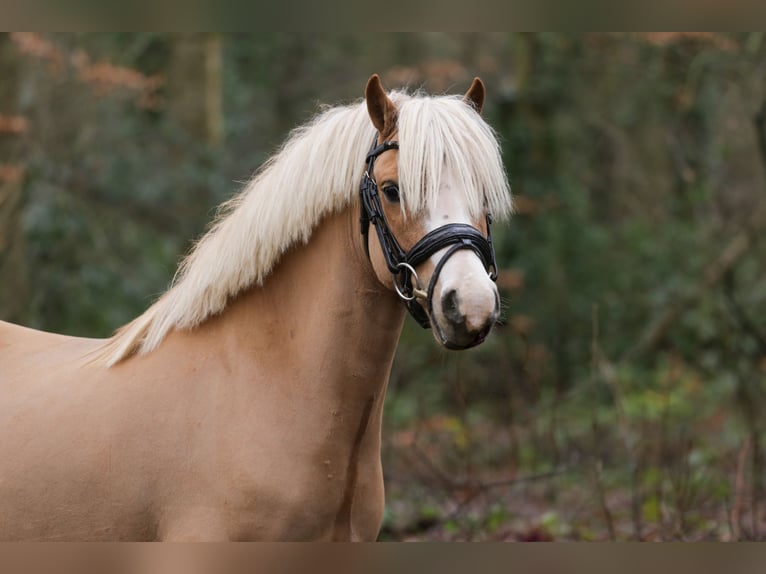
x=195, y=441
x=260, y=416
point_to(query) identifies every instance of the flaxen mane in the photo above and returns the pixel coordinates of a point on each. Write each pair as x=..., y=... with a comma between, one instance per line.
x=317, y=172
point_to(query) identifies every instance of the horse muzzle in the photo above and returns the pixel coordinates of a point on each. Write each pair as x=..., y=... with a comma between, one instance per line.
x=464, y=308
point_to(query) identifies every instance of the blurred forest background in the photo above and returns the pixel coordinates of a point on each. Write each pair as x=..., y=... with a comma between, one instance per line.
x=620, y=399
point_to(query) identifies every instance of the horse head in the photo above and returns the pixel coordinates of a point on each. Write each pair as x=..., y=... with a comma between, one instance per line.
x=436, y=253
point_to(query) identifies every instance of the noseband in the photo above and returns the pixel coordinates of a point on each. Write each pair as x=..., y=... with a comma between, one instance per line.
x=402, y=264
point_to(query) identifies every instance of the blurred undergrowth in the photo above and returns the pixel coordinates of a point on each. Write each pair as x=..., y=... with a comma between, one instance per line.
x=621, y=398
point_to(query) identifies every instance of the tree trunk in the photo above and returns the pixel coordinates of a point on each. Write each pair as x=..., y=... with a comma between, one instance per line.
x=195, y=86
x=13, y=274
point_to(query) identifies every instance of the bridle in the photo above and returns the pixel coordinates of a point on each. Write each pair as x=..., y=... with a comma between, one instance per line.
x=401, y=264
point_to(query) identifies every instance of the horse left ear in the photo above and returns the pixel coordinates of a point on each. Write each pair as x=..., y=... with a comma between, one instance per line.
x=474, y=97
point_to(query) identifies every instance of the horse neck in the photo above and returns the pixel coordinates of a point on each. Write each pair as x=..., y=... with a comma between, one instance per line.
x=321, y=315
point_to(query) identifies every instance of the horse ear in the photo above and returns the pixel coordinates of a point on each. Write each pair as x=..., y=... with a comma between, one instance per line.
x=381, y=109
x=474, y=97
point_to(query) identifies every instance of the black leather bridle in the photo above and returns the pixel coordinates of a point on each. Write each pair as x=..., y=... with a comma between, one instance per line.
x=402, y=264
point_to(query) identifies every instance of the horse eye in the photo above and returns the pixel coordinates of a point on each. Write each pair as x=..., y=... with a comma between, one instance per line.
x=392, y=193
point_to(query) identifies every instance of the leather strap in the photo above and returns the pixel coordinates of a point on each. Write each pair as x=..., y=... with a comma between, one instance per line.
x=456, y=236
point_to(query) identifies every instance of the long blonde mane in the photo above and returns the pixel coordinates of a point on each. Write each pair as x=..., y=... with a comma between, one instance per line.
x=315, y=173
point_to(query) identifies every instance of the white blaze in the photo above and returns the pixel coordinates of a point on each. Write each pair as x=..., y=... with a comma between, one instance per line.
x=464, y=272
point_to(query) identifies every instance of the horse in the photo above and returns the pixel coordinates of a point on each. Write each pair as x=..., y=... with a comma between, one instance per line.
x=245, y=403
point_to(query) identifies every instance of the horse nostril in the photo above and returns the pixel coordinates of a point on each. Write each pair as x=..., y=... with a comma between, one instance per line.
x=451, y=306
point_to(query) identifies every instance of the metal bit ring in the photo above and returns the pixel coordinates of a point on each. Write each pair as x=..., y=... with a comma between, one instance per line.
x=417, y=290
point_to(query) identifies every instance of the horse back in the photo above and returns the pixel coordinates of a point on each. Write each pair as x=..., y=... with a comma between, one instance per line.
x=24, y=350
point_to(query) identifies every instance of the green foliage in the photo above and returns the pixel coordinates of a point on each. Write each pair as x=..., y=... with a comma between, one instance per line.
x=634, y=161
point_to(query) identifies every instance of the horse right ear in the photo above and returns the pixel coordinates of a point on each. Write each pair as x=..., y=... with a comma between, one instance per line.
x=381, y=109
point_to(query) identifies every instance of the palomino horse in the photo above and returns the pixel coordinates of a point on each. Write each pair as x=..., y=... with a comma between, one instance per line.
x=246, y=402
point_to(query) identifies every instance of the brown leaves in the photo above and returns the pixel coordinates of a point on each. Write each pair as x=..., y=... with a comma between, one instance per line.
x=510, y=279
x=106, y=78
x=14, y=125
x=11, y=173
x=35, y=46
x=103, y=77
x=712, y=38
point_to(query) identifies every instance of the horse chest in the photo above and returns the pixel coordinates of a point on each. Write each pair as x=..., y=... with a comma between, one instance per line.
x=310, y=487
